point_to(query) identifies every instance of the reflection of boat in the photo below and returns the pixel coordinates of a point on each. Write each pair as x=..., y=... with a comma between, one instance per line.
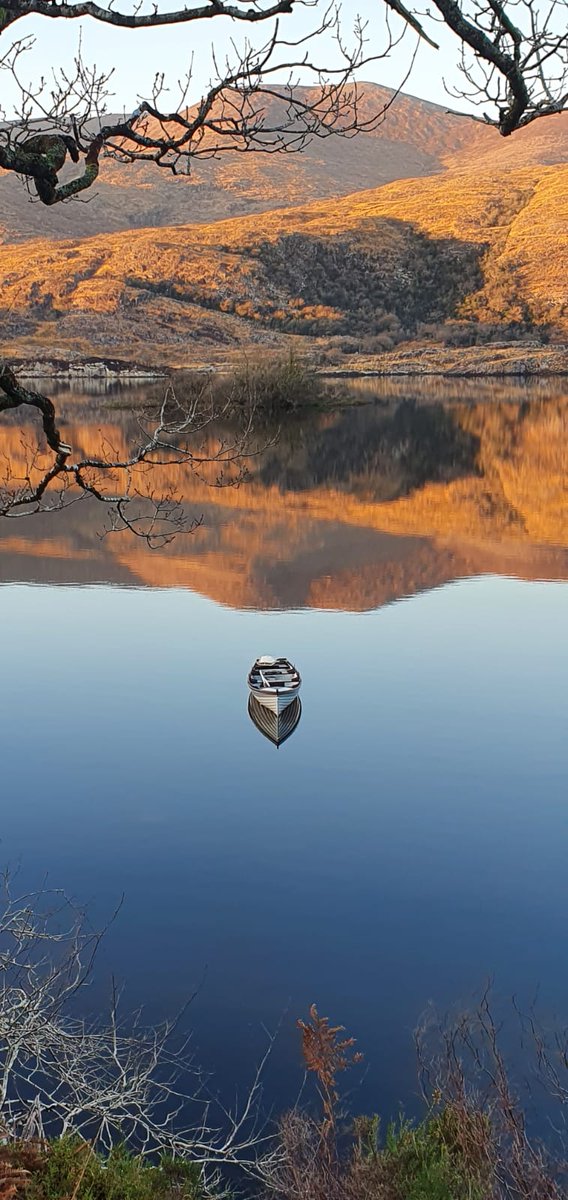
x=274, y=682
x=275, y=726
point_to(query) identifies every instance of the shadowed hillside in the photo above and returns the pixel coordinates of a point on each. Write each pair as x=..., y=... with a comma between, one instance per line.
x=375, y=264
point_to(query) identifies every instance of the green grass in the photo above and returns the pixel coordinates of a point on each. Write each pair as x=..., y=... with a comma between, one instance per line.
x=69, y=1167
x=444, y=1157
x=425, y=1166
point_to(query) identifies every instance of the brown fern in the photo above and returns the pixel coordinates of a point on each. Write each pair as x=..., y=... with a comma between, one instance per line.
x=326, y=1055
x=18, y=1162
x=13, y=1181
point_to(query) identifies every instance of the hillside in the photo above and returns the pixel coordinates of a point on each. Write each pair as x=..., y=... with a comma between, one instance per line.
x=369, y=269
x=417, y=139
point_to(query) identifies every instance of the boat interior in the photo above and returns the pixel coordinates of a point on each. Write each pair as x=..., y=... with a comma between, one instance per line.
x=280, y=674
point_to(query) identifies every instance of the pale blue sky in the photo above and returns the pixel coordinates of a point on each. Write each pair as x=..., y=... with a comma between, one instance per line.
x=136, y=56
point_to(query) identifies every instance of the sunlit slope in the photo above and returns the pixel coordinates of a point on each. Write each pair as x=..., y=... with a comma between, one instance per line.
x=416, y=139
x=464, y=490
x=411, y=251
x=544, y=143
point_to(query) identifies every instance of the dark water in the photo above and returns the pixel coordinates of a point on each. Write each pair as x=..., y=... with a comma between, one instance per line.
x=411, y=837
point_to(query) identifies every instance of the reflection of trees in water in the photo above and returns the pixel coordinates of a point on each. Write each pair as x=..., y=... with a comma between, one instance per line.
x=374, y=453
x=344, y=535
x=48, y=474
x=385, y=453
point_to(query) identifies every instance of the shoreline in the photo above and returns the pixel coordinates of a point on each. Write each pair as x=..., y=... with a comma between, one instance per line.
x=416, y=373
x=99, y=369
x=505, y=360
x=497, y=360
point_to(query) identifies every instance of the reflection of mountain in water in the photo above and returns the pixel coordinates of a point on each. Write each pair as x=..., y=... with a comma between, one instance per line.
x=276, y=727
x=373, y=455
x=349, y=510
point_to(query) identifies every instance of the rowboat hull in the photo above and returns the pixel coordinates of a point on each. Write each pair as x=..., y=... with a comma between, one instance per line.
x=275, y=700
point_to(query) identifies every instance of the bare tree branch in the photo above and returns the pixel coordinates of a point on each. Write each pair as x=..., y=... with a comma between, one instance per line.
x=519, y=56
x=179, y=434
x=246, y=108
x=248, y=11
x=106, y=1081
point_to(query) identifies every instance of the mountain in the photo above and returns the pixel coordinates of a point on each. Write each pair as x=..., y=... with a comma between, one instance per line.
x=368, y=269
x=417, y=139
x=443, y=221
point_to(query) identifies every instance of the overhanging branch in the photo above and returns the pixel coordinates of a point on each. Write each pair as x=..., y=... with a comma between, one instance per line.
x=137, y=20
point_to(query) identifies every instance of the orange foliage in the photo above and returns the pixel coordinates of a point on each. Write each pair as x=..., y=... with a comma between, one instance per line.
x=327, y=1055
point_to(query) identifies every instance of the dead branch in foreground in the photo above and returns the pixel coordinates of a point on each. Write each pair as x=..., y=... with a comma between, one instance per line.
x=109, y=1080
x=171, y=437
x=253, y=105
x=476, y=1140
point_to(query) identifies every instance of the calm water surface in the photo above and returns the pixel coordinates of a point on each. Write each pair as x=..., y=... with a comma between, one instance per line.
x=410, y=838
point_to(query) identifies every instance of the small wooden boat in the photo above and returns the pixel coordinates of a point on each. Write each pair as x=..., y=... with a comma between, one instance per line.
x=275, y=726
x=274, y=682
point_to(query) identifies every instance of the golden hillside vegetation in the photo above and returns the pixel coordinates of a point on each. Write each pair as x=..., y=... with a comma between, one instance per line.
x=377, y=264
x=416, y=139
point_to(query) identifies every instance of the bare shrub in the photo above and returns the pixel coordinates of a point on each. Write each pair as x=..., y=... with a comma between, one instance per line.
x=274, y=385
x=463, y=1066
x=108, y=1080
x=266, y=386
x=472, y=1144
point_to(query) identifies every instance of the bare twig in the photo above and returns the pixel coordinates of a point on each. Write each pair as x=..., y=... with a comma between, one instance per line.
x=54, y=479
x=109, y=1080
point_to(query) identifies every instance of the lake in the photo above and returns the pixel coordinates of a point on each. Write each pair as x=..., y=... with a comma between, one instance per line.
x=410, y=838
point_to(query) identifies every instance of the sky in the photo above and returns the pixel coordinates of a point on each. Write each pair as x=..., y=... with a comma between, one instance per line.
x=136, y=56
